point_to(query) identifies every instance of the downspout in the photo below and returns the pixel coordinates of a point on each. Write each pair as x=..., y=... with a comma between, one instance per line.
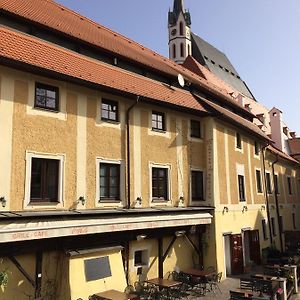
x=128, y=149
x=277, y=205
x=266, y=194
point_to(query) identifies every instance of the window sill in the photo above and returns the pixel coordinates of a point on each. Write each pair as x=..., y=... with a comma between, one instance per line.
x=158, y=130
x=109, y=201
x=116, y=122
x=46, y=109
x=43, y=203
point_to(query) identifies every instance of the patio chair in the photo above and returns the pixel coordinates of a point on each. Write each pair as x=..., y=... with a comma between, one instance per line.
x=214, y=282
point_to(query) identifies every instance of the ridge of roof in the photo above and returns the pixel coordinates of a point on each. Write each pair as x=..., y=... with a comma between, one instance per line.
x=65, y=21
x=38, y=53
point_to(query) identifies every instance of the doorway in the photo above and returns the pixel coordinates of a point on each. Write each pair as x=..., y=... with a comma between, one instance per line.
x=237, y=257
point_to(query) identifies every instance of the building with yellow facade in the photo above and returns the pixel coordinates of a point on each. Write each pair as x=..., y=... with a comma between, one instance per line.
x=113, y=172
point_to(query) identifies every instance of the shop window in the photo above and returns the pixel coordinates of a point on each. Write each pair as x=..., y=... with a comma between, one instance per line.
x=109, y=110
x=241, y=185
x=44, y=180
x=109, y=181
x=258, y=181
x=195, y=129
x=264, y=229
x=159, y=183
x=141, y=258
x=197, y=186
x=46, y=97
x=158, y=121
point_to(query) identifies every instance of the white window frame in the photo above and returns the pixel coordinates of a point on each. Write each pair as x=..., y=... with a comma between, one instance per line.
x=147, y=256
x=61, y=158
x=166, y=133
x=235, y=142
x=240, y=170
x=114, y=203
x=167, y=202
x=193, y=203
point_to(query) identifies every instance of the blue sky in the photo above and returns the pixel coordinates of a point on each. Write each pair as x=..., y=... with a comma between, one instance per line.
x=260, y=37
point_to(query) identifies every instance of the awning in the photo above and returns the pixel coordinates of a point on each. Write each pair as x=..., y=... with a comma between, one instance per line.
x=22, y=230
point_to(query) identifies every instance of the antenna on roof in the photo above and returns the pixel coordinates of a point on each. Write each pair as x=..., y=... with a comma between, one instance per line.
x=181, y=80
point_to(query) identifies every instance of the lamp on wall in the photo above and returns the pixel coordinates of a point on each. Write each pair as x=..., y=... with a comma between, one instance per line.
x=141, y=237
x=245, y=208
x=263, y=207
x=81, y=200
x=139, y=200
x=281, y=206
x=180, y=202
x=3, y=201
x=180, y=233
x=225, y=209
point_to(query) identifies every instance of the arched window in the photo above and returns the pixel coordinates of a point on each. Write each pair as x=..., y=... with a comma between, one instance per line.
x=181, y=50
x=174, y=51
x=189, y=49
x=181, y=28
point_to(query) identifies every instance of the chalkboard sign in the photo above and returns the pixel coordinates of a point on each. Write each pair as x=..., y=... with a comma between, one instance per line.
x=97, y=268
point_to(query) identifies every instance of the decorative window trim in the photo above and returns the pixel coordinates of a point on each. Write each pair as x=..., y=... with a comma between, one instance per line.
x=163, y=133
x=261, y=182
x=193, y=138
x=237, y=148
x=61, y=159
x=109, y=123
x=113, y=203
x=199, y=202
x=61, y=114
x=167, y=202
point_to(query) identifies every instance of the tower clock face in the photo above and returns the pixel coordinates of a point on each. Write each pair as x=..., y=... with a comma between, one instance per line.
x=173, y=32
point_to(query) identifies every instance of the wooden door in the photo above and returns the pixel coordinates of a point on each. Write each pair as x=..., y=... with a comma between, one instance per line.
x=254, y=246
x=237, y=261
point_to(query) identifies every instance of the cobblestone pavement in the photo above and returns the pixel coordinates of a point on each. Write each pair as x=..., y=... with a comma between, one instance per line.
x=225, y=286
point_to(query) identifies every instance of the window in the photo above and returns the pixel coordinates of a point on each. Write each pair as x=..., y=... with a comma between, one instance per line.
x=264, y=229
x=44, y=180
x=109, y=110
x=258, y=181
x=46, y=97
x=158, y=121
x=289, y=183
x=241, y=183
x=238, y=141
x=109, y=181
x=141, y=258
x=97, y=268
x=273, y=226
x=268, y=183
x=159, y=183
x=189, y=49
x=174, y=51
x=276, y=184
x=256, y=148
x=197, y=186
x=181, y=28
x=294, y=220
x=181, y=50
x=196, y=129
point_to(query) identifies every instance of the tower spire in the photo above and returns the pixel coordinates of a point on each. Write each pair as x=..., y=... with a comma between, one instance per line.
x=178, y=6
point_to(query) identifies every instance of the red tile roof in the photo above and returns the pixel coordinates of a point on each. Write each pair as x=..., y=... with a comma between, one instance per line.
x=233, y=118
x=59, y=18
x=35, y=52
x=282, y=154
x=294, y=145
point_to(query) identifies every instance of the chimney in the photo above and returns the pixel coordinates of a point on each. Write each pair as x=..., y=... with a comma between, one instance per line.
x=277, y=128
x=293, y=134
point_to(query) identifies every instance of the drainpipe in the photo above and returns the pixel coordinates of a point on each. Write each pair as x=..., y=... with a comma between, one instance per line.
x=266, y=193
x=277, y=205
x=128, y=149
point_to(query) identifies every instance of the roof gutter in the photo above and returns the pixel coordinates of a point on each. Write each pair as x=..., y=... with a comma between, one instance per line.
x=128, y=149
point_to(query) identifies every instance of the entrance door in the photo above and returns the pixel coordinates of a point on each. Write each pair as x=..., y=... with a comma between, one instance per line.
x=237, y=263
x=254, y=246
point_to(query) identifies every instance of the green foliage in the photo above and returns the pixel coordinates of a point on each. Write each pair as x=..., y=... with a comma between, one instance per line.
x=3, y=278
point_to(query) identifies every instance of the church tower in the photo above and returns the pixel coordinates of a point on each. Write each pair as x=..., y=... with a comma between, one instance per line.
x=179, y=24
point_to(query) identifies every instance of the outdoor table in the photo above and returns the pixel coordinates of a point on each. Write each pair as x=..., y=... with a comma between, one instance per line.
x=199, y=273
x=164, y=283
x=114, y=295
